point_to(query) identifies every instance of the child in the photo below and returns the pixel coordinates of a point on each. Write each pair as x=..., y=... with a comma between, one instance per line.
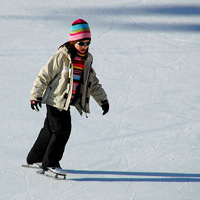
x=68, y=79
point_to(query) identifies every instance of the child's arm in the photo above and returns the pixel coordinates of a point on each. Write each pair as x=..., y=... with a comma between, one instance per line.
x=46, y=75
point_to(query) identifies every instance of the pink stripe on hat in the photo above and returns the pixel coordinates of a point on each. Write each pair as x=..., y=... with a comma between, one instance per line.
x=79, y=36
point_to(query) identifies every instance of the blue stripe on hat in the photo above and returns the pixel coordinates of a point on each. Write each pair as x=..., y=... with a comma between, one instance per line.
x=78, y=26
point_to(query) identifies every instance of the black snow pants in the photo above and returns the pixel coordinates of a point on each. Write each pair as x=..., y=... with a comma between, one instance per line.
x=50, y=144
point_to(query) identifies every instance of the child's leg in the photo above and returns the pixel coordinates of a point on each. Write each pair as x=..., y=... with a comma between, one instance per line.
x=38, y=150
x=60, y=127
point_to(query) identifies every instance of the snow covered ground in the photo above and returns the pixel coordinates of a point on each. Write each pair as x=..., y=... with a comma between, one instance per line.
x=146, y=55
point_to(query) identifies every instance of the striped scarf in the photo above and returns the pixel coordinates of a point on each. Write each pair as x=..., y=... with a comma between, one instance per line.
x=78, y=67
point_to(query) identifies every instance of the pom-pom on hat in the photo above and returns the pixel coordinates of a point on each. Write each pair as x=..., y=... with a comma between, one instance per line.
x=79, y=30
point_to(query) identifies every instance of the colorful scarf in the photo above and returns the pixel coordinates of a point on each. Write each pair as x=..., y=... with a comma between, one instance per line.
x=78, y=67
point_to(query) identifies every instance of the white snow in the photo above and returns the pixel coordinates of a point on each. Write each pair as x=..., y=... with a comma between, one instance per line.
x=146, y=55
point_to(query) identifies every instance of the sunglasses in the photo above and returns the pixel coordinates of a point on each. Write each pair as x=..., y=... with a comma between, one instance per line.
x=83, y=43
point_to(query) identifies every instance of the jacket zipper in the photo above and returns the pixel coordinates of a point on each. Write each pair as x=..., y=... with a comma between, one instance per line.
x=69, y=79
x=88, y=75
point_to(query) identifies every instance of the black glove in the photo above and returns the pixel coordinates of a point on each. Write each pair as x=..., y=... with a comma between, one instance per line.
x=35, y=103
x=105, y=106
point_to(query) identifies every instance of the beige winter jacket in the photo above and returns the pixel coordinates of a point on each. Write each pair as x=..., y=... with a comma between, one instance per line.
x=55, y=80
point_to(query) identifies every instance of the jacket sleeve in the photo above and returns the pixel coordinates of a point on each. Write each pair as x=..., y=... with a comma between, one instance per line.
x=46, y=75
x=97, y=91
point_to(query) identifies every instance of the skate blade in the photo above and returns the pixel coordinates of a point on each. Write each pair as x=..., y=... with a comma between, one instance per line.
x=51, y=174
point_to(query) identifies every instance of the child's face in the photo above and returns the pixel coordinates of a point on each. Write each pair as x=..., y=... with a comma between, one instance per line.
x=82, y=49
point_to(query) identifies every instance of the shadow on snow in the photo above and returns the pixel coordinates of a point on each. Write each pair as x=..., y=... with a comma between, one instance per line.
x=113, y=12
x=145, y=176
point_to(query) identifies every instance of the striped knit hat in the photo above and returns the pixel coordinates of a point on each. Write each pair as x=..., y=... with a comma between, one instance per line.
x=79, y=30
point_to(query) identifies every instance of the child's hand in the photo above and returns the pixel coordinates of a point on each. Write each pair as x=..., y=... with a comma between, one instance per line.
x=105, y=107
x=35, y=103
